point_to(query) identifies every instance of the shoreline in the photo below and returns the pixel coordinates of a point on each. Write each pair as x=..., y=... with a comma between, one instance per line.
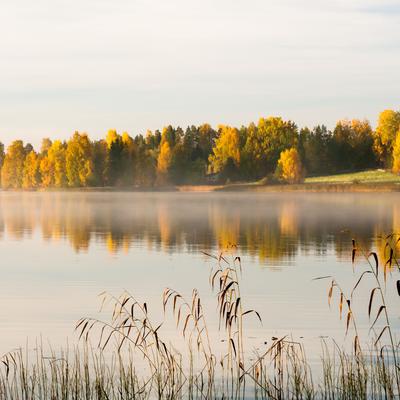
x=316, y=188
x=378, y=187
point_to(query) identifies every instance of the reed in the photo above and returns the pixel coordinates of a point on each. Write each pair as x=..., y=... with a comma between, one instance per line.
x=128, y=356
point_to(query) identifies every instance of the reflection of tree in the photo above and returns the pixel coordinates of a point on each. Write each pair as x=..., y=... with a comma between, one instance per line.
x=18, y=221
x=2, y=227
x=396, y=218
x=385, y=243
x=52, y=217
x=288, y=219
x=164, y=225
x=113, y=242
x=225, y=225
x=78, y=223
x=270, y=228
x=267, y=242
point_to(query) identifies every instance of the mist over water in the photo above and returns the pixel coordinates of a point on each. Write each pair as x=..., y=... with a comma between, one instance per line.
x=59, y=250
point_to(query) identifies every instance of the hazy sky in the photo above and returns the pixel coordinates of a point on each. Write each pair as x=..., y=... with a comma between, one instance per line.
x=91, y=65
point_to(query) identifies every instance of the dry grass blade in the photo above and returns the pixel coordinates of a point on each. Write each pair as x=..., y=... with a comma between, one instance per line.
x=376, y=261
x=210, y=255
x=330, y=292
x=380, y=335
x=348, y=321
x=255, y=312
x=233, y=346
x=371, y=298
x=186, y=324
x=359, y=281
x=390, y=259
x=353, y=252
x=83, y=329
x=217, y=272
x=381, y=308
x=225, y=290
x=322, y=277
x=341, y=304
x=356, y=344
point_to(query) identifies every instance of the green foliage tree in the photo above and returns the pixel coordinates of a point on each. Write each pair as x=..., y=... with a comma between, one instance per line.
x=352, y=146
x=153, y=141
x=206, y=139
x=173, y=156
x=100, y=163
x=265, y=142
x=314, y=150
x=128, y=159
x=145, y=162
x=114, y=159
x=170, y=135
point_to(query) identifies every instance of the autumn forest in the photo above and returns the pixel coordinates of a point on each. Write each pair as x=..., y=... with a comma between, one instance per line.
x=273, y=149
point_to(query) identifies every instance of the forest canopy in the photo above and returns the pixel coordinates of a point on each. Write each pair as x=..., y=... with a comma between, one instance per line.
x=273, y=148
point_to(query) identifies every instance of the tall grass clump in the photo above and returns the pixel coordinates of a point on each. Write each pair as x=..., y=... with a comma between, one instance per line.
x=130, y=356
x=373, y=372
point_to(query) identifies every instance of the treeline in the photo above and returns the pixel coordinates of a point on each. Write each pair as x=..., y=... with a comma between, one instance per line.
x=274, y=149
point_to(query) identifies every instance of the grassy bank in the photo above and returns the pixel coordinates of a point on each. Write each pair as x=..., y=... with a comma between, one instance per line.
x=377, y=176
x=313, y=188
x=364, y=181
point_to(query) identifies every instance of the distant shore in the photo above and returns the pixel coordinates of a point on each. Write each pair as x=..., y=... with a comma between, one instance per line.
x=363, y=181
x=304, y=187
x=238, y=187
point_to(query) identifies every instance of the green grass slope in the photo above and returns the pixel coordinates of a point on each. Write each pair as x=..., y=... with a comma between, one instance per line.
x=370, y=176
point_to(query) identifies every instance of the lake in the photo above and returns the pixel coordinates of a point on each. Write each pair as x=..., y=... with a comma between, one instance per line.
x=59, y=250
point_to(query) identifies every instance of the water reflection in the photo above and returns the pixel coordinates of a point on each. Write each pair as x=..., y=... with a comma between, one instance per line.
x=272, y=228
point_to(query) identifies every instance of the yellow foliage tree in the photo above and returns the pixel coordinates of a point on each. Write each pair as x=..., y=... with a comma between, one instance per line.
x=111, y=137
x=46, y=144
x=127, y=139
x=78, y=160
x=46, y=172
x=164, y=162
x=56, y=155
x=385, y=134
x=289, y=166
x=13, y=167
x=52, y=165
x=227, y=146
x=31, y=177
x=396, y=154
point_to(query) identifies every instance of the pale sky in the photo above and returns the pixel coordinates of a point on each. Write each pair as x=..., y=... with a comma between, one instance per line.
x=92, y=65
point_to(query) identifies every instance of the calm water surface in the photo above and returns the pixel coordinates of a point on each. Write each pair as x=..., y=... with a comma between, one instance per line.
x=60, y=250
